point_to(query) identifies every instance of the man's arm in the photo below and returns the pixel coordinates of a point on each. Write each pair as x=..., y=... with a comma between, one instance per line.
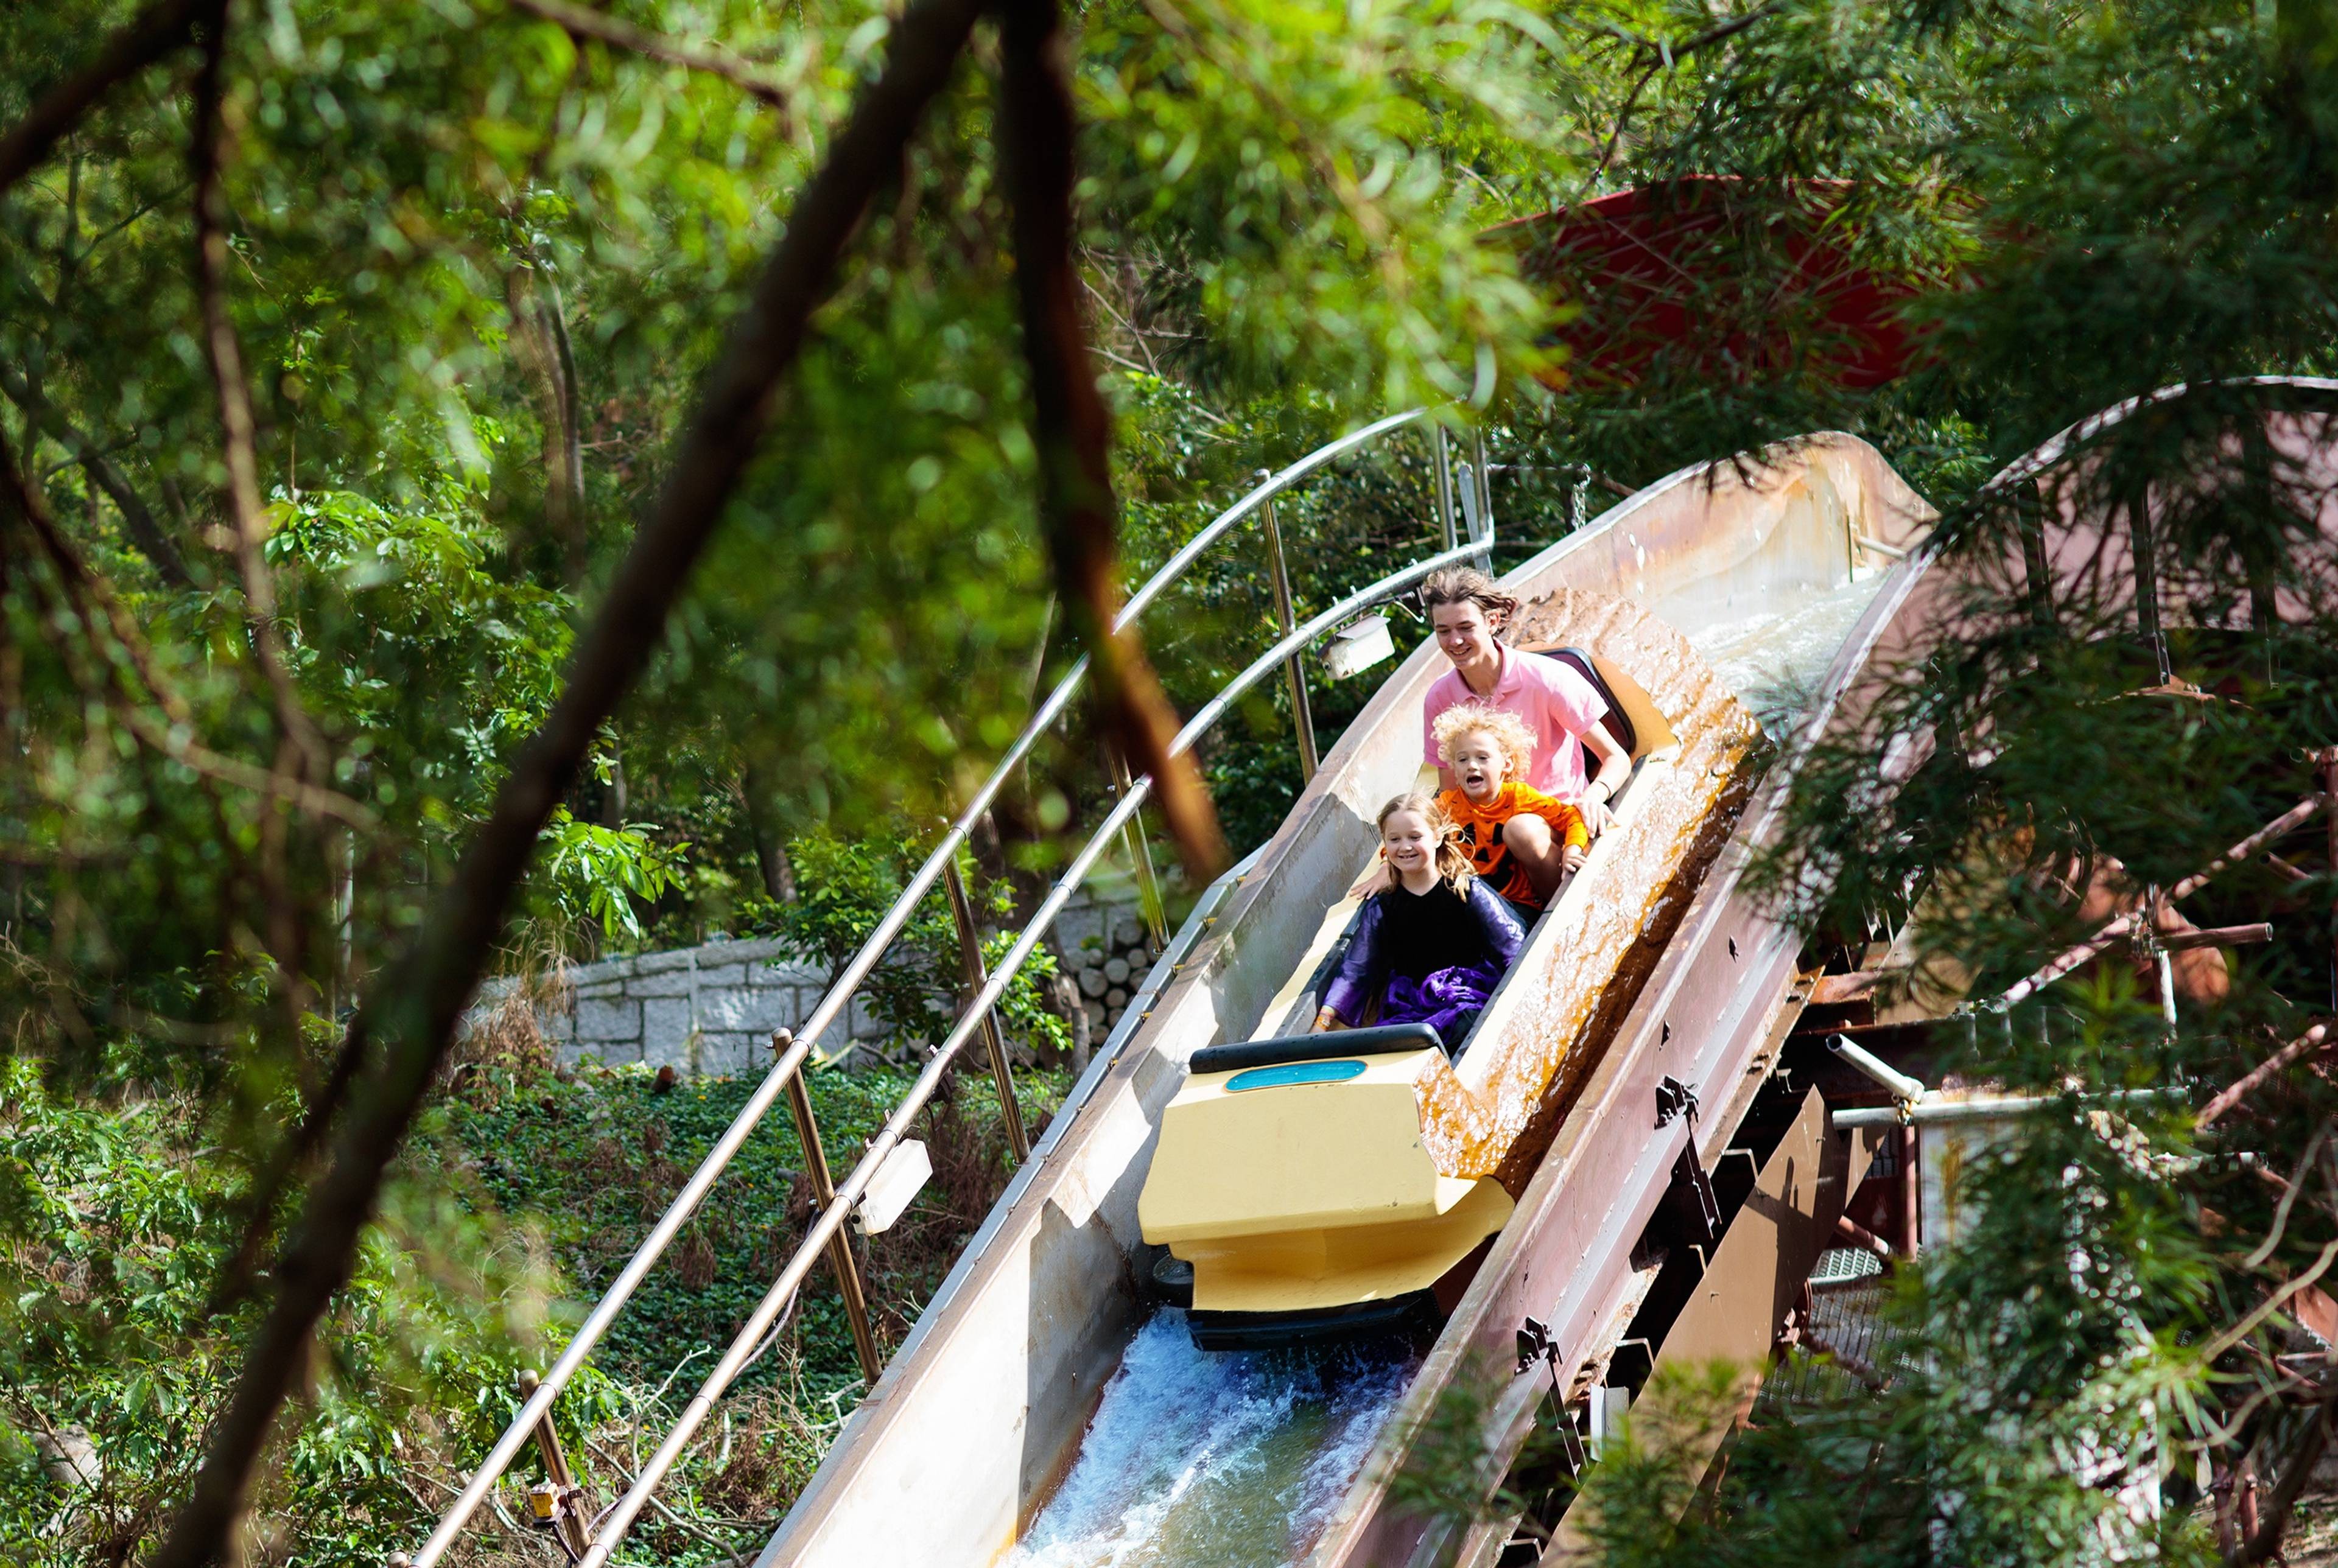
x=1614, y=768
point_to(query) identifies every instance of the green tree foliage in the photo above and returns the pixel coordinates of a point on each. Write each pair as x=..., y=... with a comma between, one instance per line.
x=2134, y=201
x=472, y=267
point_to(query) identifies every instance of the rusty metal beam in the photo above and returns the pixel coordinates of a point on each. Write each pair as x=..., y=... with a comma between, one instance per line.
x=1743, y=1300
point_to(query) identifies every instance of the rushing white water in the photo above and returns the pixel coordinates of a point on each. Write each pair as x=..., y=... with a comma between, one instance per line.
x=1775, y=658
x=1200, y=1459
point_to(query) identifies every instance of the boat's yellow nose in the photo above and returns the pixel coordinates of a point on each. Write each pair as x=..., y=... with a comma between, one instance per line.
x=1298, y=1185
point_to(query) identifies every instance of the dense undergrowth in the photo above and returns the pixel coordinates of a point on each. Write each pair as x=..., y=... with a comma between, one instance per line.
x=523, y=1197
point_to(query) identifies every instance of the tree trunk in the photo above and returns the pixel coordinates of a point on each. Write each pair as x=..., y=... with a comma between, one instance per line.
x=772, y=860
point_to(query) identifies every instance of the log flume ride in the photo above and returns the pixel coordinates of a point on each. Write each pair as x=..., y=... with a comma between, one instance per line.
x=1043, y=1411
x=1048, y=1408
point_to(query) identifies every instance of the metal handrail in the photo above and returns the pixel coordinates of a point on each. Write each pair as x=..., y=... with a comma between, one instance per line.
x=848, y=980
x=830, y=1219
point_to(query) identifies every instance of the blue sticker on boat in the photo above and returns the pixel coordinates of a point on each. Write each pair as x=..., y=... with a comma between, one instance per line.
x=1295, y=1073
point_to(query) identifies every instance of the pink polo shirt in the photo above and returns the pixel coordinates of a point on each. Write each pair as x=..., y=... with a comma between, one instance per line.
x=1557, y=704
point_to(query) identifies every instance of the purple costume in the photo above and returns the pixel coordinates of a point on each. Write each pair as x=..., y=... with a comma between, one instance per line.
x=1431, y=957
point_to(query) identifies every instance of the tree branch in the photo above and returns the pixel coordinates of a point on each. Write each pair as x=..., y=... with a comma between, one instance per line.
x=92, y=600
x=1071, y=429
x=1662, y=57
x=161, y=28
x=207, y=157
x=413, y=1009
x=2248, y=1084
x=2265, y=1543
x=143, y=528
x=586, y=23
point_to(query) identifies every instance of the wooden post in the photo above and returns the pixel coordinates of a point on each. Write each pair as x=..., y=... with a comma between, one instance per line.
x=975, y=972
x=572, y=1520
x=840, y=1246
x=2029, y=511
x=1912, y=1189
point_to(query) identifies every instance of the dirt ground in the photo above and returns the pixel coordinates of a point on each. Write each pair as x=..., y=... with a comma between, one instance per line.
x=2312, y=1540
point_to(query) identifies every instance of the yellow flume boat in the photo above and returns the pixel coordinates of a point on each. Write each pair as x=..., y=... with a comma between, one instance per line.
x=1312, y=1185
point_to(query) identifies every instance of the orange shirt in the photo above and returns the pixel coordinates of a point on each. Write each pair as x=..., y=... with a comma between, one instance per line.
x=1481, y=833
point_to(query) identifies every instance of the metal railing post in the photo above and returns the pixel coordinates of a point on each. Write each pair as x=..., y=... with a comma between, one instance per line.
x=1140, y=855
x=1444, y=486
x=1303, y=713
x=571, y=1516
x=840, y=1245
x=1485, y=484
x=971, y=967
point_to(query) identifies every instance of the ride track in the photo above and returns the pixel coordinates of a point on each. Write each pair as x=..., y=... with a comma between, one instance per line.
x=981, y=1413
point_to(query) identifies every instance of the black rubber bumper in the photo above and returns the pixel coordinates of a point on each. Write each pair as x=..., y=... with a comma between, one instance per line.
x=1413, y=1315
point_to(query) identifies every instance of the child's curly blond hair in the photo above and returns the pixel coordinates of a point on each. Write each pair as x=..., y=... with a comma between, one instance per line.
x=1510, y=732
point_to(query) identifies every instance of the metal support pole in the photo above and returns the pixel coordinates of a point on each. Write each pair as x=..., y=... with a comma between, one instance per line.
x=2029, y=511
x=1911, y=1187
x=2330, y=815
x=1140, y=855
x=1444, y=486
x=1485, y=483
x=840, y=1246
x=1303, y=713
x=571, y=1515
x=971, y=968
x=2146, y=581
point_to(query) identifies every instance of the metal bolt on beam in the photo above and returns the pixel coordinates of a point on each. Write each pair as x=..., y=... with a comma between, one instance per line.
x=972, y=969
x=840, y=1245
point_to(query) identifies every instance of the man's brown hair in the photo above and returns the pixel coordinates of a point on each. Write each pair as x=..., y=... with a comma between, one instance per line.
x=1468, y=585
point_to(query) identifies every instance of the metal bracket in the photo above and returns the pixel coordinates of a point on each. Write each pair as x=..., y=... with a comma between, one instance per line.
x=1691, y=1199
x=1534, y=1343
x=1674, y=1098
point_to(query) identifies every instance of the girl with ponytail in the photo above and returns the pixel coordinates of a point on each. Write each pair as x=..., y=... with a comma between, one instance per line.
x=1431, y=946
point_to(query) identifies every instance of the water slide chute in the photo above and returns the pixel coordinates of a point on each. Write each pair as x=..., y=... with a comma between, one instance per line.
x=1803, y=558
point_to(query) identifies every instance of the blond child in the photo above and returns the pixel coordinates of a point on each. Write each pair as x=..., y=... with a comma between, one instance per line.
x=1519, y=839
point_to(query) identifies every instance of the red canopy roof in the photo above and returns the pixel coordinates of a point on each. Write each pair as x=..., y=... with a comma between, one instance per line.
x=1728, y=279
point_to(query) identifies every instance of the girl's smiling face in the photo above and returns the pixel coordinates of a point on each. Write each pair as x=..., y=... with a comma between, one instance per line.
x=1405, y=838
x=1480, y=764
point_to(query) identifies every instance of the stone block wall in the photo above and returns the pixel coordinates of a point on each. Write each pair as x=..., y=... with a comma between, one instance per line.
x=1107, y=956
x=710, y=1009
